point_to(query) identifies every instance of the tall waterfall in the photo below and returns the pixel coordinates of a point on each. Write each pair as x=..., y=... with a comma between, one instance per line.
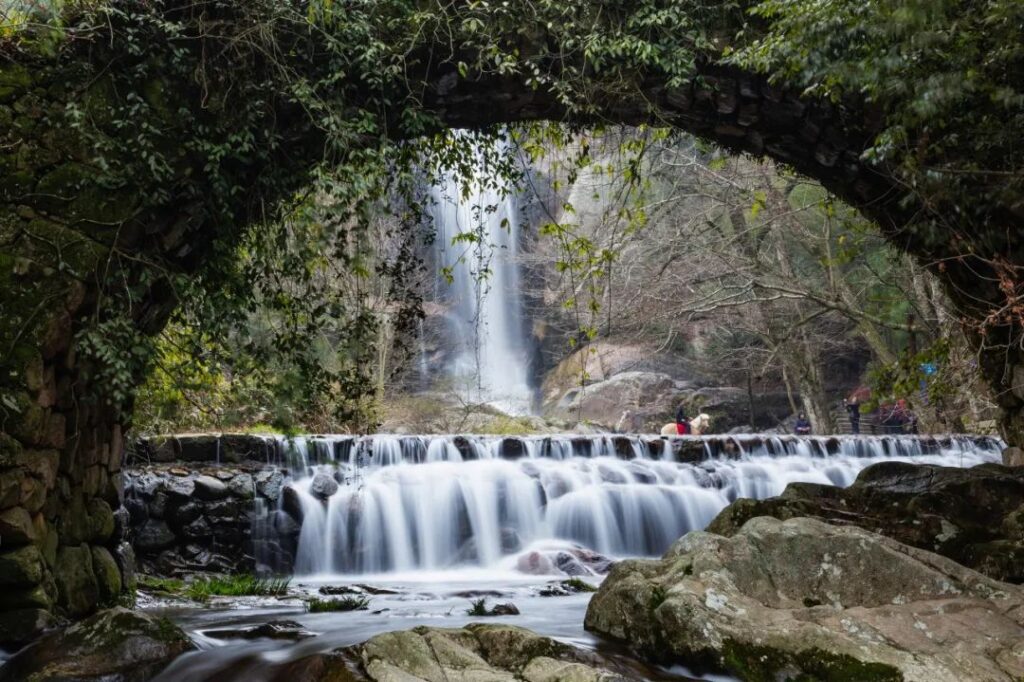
x=556, y=504
x=484, y=297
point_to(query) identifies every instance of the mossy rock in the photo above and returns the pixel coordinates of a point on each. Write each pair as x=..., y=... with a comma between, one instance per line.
x=754, y=664
x=108, y=576
x=116, y=645
x=101, y=520
x=78, y=590
x=22, y=567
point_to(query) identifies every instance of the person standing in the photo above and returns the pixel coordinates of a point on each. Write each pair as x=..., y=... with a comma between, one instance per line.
x=802, y=427
x=682, y=423
x=853, y=409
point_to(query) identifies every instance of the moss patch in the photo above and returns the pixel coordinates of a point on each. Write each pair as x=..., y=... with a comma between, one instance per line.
x=764, y=664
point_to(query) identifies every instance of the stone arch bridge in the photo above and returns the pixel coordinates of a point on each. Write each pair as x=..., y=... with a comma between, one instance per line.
x=67, y=221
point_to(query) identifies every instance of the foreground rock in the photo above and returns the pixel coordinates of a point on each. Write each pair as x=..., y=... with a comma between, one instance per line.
x=974, y=516
x=801, y=599
x=475, y=653
x=116, y=645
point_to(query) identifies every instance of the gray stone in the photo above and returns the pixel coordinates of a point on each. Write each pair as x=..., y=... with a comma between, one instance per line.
x=153, y=536
x=804, y=599
x=197, y=530
x=243, y=486
x=209, y=488
x=475, y=653
x=158, y=505
x=1013, y=457
x=967, y=515
x=146, y=484
x=77, y=589
x=268, y=484
x=125, y=557
x=275, y=629
x=323, y=486
x=116, y=645
x=180, y=486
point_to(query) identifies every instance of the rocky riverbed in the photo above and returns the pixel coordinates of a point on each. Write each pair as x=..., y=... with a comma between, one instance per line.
x=908, y=574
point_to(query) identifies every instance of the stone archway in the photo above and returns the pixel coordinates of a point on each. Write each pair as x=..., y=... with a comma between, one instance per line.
x=67, y=229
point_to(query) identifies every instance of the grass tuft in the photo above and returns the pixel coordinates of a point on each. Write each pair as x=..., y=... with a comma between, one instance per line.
x=349, y=603
x=478, y=608
x=237, y=586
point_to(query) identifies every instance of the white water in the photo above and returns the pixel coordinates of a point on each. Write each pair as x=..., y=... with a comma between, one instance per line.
x=484, y=298
x=422, y=503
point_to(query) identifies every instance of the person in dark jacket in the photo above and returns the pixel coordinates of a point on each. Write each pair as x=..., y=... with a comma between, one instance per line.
x=853, y=409
x=802, y=426
x=682, y=423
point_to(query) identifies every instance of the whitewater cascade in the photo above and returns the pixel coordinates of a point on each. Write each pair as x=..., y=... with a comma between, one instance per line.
x=553, y=503
x=484, y=297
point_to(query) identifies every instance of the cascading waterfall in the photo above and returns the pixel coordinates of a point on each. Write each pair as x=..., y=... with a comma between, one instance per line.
x=484, y=297
x=555, y=503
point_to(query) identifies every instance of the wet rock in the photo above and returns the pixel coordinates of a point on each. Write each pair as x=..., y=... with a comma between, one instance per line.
x=186, y=513
x=291, y=503
x=504, y=610
x=154, y=536
x=323, y=486
x=116, y=645
x=158, y=505
x=108, y=577
x=570, y=565
x=964, y=514
x=805, y=599
x=284, y=524
x=275, y=629
x=209, y=488
x=370, y=589
x=534, y=563
x=197, y=530
x=179, y=486
x=77, y=588
x=474, y=653
x=242, y=486
x=138, y=510
x=269, y=483
x=335, y=590
x=21, y=625
x=566, y=587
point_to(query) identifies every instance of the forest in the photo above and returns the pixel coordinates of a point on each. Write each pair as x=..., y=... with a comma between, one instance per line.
x=525, y=340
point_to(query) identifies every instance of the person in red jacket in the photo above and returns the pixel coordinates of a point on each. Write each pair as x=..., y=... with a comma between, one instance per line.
x=682, y=423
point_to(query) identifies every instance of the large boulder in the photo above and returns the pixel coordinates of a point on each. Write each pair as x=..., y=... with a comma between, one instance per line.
x=475, y=653
x=116, y=645
x=604, y=402
x=802, y=599
x=974, y=516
